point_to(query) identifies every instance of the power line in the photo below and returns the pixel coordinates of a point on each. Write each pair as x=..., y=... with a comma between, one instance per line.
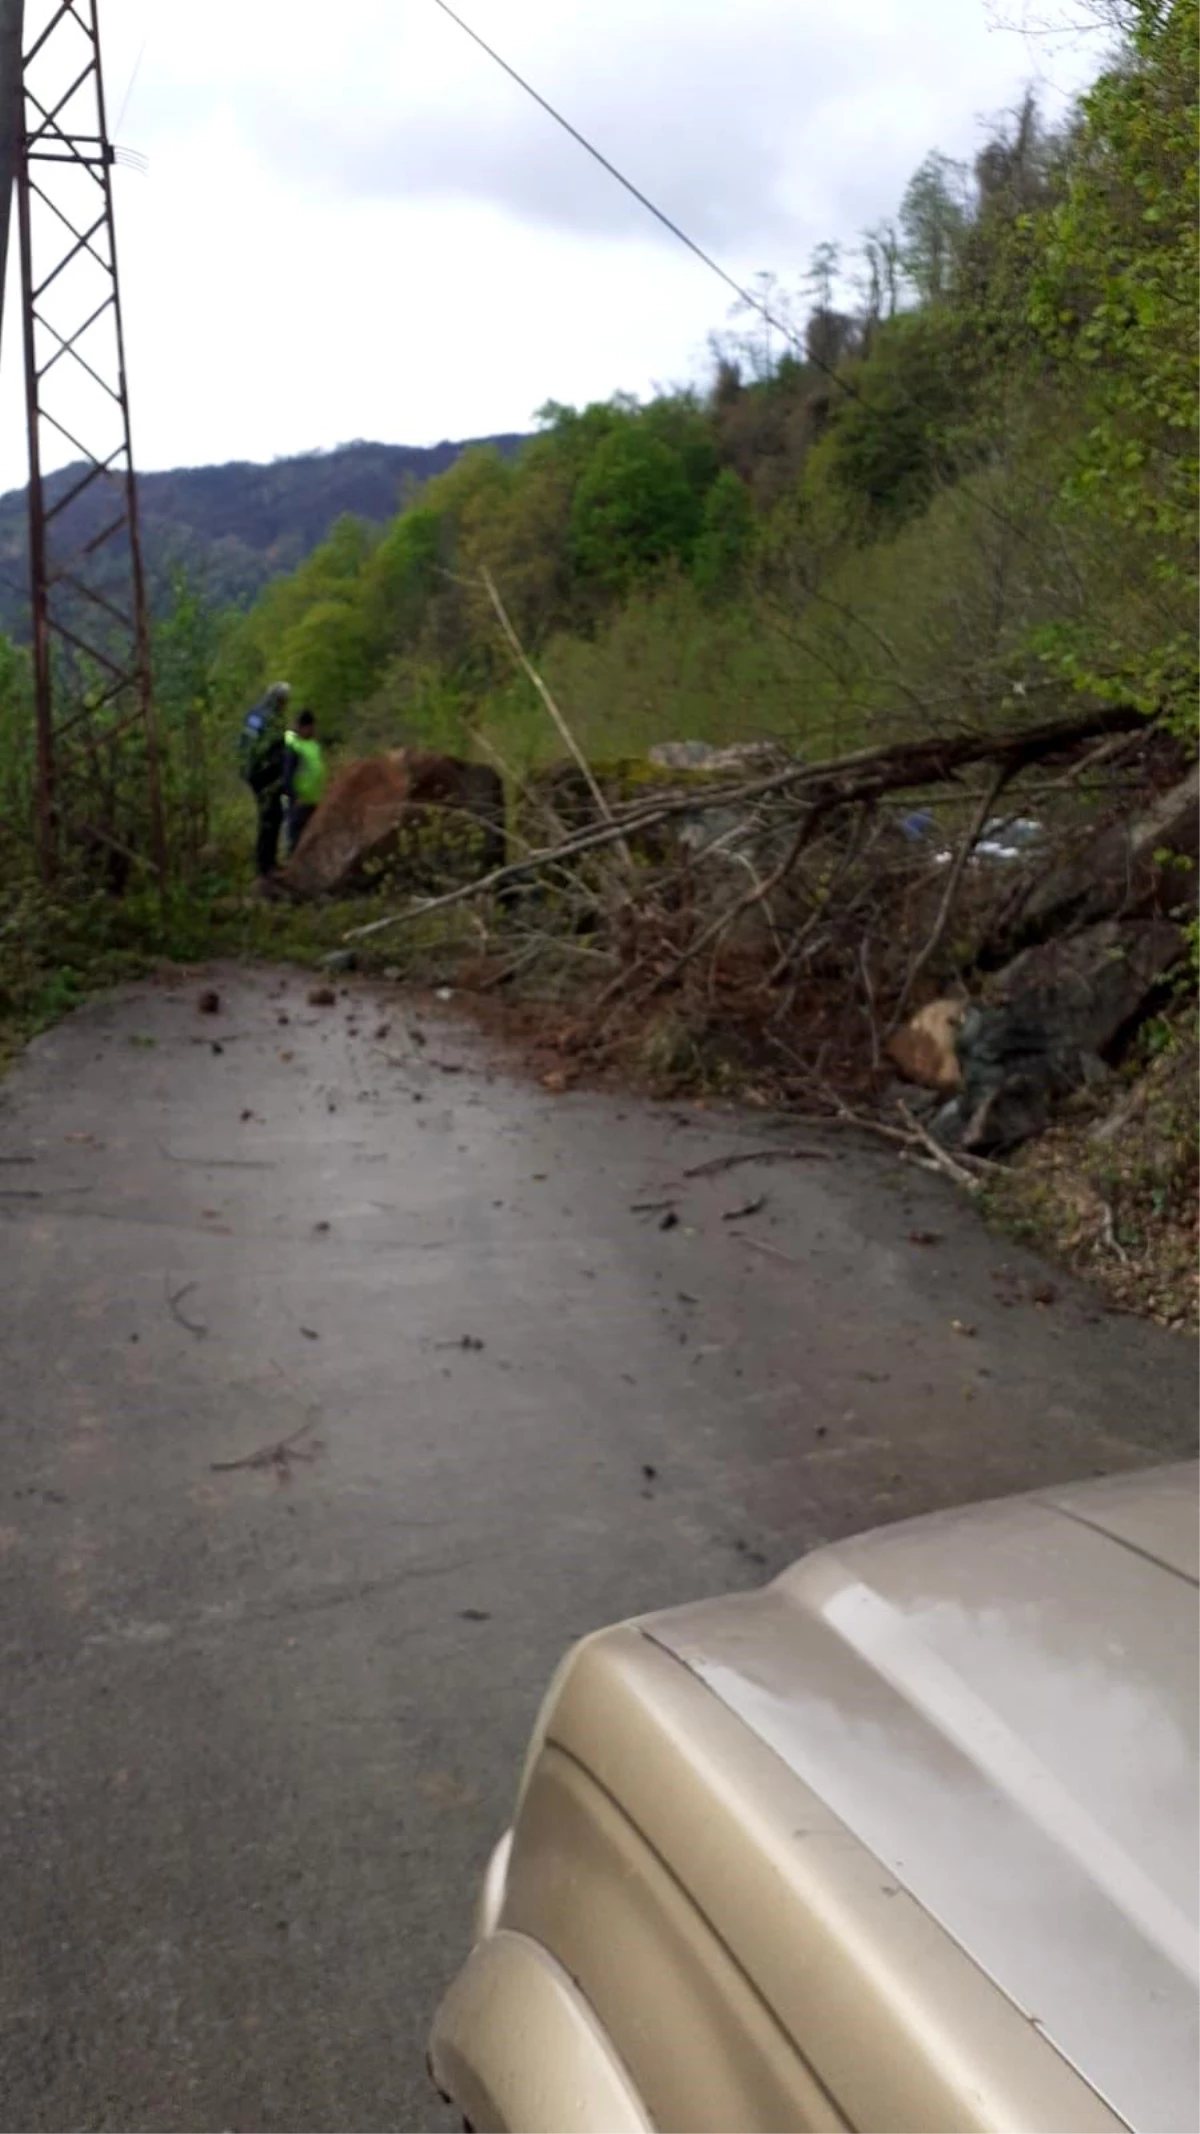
x=714, y=266
x=137, y=68
x=818, y=363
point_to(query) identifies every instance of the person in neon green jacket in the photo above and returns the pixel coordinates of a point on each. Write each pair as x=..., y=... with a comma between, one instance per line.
x=303, y=777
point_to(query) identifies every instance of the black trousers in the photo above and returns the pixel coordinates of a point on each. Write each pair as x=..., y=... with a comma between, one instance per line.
x=270, y=823
x=299, y=815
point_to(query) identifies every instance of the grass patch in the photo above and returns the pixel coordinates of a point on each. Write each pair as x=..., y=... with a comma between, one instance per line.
x=1113, y=1193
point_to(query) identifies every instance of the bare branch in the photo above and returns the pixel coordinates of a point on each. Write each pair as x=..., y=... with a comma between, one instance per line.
x=863, y=775
x=990, y=796
x=529, y=670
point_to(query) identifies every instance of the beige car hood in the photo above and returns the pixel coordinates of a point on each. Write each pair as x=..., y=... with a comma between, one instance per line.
x=1002, y=1705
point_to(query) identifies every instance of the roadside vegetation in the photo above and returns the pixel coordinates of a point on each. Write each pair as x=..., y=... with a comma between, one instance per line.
x=945, y=486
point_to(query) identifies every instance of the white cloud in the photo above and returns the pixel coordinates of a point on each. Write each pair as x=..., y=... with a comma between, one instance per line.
x=354, y=225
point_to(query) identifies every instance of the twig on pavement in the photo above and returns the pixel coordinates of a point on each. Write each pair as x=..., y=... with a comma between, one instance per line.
x=714, y=1165
x=277, y=1455
x=174, y=1299
x=762, y=1244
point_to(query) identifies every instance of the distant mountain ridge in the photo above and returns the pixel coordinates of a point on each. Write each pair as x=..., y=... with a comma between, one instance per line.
x=234, y=527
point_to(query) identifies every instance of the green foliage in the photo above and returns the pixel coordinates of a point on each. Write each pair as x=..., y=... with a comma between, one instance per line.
x=402, y=572
x=934, y=219
x=1115, y=303
x=726, y=539
x=634, y=509
x=16, y=735
x=598, y=500
x=185, y=641
x=330, y=656
x=664, y=663
x=254, y=646
x=679, y=422
x=890, y=442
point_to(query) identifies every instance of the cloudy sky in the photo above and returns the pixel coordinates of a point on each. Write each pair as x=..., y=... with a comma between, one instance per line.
x=353, y=225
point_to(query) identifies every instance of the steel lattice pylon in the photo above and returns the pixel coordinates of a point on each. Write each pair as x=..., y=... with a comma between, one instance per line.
x=98, y=774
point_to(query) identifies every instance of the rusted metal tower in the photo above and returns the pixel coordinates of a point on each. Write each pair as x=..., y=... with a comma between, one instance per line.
x=99, y=788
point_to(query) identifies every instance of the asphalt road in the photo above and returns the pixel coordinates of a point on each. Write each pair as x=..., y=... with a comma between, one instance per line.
x=264, y=1709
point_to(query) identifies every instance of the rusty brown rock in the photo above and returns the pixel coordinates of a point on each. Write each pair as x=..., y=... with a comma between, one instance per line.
x=404, y=812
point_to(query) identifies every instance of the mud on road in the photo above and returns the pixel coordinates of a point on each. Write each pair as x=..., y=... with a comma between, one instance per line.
x=347, y=1380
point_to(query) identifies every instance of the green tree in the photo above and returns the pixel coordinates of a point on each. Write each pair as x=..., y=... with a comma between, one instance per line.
x=1115, y=306
x=683, y=424
x=402, y=574
x=726, y=539
x=331, y=658
x=254, y=648
x=881, y=257
x=889, y=440
x=185, y=641
x=633, y=510
x=16, y=738
x=933, y=222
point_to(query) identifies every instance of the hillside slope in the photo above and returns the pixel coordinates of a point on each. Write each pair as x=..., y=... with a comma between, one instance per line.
x=237, y=526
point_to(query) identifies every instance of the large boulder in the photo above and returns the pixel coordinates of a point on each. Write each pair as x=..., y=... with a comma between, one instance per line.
x=1143, y=864
x=412, y=819
x=1060, y=1009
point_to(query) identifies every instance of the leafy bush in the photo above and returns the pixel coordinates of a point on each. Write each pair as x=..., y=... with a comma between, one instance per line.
x=634, y=510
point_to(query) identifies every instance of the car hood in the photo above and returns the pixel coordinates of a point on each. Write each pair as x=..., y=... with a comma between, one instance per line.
x=1002, y=1705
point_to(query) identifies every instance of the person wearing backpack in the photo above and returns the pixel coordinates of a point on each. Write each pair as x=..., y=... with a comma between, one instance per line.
x=262, y=750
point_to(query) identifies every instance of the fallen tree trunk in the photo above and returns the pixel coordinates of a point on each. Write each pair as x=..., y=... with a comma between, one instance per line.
x=863, y=776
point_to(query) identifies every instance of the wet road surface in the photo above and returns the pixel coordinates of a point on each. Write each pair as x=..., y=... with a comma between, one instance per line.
x=346, y=1381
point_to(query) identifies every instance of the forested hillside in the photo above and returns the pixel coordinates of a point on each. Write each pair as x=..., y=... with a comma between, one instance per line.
x=235, y=527
x=955, y=479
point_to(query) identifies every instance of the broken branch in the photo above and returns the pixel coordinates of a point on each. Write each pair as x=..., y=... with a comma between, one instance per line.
x=865, y=775
x=999, y=779
x=531, y=674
